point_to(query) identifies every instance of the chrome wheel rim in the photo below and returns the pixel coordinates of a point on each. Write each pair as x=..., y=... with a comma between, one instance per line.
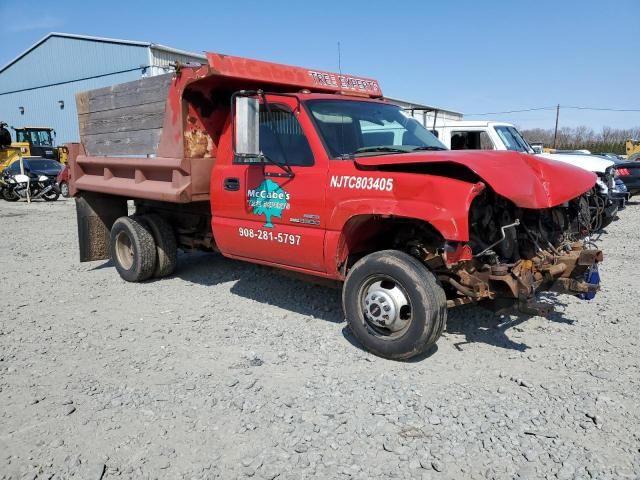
x=124, y=250
x=386, y=308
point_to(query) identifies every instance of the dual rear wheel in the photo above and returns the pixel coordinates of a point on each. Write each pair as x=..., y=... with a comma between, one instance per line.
x=142, y=247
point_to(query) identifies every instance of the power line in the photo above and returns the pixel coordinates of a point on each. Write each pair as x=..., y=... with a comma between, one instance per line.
x=603, y=109
x=511, y=111
x=599, y=109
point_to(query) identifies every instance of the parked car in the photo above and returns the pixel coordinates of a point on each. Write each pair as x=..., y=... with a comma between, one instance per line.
x=63, y=181
x=35, y=178
x=629, y=173
x=620, y=194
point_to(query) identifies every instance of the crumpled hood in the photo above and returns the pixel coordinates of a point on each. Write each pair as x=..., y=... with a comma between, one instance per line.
x=592, y=163
x=528, y=181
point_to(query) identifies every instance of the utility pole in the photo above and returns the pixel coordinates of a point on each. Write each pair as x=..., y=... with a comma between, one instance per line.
x=555, y=134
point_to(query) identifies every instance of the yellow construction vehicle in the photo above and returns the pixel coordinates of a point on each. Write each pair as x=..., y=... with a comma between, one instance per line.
x=38, y=142
x=8, y=151
x=633, y=149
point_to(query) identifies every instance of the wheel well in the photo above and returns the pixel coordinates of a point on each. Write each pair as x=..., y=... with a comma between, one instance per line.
x=364, y=234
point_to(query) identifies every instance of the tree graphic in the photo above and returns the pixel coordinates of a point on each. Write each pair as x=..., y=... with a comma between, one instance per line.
x=267, y=201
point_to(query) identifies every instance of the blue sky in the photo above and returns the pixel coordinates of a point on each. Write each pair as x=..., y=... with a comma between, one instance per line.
x=470, y=56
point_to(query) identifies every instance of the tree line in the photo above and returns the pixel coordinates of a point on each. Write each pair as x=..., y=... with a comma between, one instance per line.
x=607, y=140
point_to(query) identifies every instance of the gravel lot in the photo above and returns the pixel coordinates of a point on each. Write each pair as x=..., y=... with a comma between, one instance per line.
x=229, y=370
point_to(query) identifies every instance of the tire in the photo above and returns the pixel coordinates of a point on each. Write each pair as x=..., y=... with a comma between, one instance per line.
x=9, y=196
x=387, y=279
x=52, y=196
x=64, y=189
x=132, y=249
x=166, y=246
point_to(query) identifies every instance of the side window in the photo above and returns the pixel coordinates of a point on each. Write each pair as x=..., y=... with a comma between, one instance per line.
x=282, y=138
x=471, y=140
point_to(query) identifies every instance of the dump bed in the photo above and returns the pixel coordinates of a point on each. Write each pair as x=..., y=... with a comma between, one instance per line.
x=120, y=131
x=157, y=138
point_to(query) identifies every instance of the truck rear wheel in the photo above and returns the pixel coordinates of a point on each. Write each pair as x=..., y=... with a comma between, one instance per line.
x=394, y=305
x=133, y=249
x=166, y=247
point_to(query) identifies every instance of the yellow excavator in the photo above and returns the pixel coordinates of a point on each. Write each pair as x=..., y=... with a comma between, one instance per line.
x=633, y=149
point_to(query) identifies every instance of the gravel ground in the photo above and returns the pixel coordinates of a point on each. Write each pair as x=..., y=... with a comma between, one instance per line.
x=229, y=370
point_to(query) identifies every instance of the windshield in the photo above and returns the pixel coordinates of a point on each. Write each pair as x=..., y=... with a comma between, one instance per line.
x=350, y=128
x=43, y=165
x=40, y=138
x=513, y=140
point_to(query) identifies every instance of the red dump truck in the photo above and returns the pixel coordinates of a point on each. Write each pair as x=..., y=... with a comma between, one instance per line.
x=317, y=173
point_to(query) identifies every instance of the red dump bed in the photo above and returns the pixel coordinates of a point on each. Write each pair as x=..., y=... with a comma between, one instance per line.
x=156, y=138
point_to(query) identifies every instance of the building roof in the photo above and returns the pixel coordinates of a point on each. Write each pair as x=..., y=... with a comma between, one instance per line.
x=155, y=46
x=419, y=106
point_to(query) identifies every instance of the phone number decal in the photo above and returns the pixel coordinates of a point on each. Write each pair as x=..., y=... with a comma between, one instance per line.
x=269, y=236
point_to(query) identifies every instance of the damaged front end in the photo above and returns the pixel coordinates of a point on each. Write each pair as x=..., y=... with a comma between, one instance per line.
x=514, y=253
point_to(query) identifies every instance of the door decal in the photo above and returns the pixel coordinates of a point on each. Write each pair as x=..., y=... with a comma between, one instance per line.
x=269, y=199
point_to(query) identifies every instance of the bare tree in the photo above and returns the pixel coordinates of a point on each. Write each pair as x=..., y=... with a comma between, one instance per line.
x=583, y=137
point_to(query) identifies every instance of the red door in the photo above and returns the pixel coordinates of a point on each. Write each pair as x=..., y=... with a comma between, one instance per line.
x=261, y=214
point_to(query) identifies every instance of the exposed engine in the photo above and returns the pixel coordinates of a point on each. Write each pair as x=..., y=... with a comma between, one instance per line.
x=514, y=252
x=502, y=233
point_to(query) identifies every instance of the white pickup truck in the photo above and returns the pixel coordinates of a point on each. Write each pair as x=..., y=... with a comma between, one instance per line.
x=488, y=135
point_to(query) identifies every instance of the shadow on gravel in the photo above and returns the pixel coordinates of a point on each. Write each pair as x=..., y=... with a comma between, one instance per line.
x=107, y=264
x=264, y=285
x=485, y=326
x=275, y=287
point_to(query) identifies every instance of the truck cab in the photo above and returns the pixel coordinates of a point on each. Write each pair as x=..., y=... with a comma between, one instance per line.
x=316, y=173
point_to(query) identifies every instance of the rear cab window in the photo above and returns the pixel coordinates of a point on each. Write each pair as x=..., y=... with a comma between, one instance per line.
x=471, y=140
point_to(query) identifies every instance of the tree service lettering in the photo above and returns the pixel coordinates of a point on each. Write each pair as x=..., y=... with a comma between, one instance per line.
x=361, y=183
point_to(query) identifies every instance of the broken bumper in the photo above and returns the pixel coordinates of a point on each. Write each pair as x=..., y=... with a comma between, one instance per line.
x=566, y=271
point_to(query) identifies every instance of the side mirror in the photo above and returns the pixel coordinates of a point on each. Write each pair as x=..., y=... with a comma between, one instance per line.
x=247, y=127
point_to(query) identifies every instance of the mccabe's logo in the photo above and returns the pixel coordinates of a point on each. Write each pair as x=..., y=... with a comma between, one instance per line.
x=269, y=199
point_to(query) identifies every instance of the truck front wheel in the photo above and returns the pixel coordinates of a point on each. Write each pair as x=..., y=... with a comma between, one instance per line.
x=133, y=249
x=394, y=305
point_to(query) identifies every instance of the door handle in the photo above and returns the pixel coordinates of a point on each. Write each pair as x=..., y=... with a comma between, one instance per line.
x=232, y=184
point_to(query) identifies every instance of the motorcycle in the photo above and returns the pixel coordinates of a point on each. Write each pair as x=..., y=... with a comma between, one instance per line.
x=29, y=185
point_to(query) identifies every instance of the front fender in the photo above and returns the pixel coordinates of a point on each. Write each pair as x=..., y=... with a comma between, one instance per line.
x=445, y=207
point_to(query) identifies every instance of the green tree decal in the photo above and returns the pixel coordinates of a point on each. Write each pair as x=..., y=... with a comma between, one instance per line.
x=265, y=203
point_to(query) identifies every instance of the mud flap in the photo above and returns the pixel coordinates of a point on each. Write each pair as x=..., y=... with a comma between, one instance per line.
x=96, y=214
